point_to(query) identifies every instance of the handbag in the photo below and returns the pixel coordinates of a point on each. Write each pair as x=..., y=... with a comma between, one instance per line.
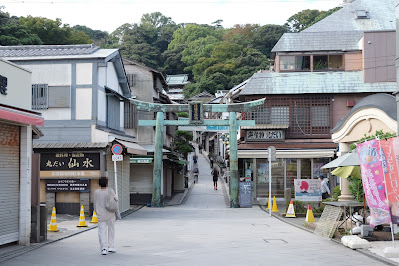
x=118, y=216
x=111, y=204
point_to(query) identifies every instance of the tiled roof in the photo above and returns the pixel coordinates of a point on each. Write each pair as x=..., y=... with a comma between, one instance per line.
x=313, y=82
x=319, y=41
x=381, y=16
x=46, y=50
x=177, y=79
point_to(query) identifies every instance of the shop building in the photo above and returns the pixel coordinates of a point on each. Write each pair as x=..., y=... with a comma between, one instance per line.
x=19, y=205
x=149, y=85
x=319, y=75
x=81, y=91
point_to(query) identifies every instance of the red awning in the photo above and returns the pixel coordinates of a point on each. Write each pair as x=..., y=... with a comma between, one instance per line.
x=21, y=116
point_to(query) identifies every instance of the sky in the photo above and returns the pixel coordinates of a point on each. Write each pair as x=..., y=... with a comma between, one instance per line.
x=108, y=15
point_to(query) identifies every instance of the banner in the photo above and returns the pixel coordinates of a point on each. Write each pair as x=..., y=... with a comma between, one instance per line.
x=373, y=182
x=389, y=156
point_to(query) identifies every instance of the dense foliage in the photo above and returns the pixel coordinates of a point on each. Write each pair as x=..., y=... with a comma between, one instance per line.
x=215, y=58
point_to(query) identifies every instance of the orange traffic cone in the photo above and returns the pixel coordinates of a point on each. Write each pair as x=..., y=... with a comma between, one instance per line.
x=274, y=207
x=94, y=219
x=82, y=221
x=309, y=215
x=53, y=222
x=290, y=210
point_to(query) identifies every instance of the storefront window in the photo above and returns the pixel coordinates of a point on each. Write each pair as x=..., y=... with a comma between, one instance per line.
x=306, y=169
x=262, y=181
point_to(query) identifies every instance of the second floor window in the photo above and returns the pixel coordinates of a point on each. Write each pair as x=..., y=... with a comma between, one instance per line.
x=295, y=63
x=304, y=62
x=45, y=96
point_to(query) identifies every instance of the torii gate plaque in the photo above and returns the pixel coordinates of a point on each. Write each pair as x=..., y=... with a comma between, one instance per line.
x=193, y=109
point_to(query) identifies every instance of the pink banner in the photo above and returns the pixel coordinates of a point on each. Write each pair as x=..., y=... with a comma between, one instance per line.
x=373, y=182
x=390, y=157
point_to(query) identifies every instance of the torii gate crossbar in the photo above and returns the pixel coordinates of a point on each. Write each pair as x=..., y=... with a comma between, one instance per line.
x=159, y=123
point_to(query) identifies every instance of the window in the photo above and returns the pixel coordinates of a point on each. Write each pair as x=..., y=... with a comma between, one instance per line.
x=320, y=116
x=39, y=96
x=302, y=62
x=295, y=63
x=280, y=115
x=287, y=63
x=130, y=115
x=327, y=62
x=320, y=62
x=59, y=96
x=113, y=112
x=132, y=79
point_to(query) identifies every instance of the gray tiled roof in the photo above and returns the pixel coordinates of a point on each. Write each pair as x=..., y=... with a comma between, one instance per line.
x=313, y=82
x=319, y=41
x=381, y=15
x=46, y=50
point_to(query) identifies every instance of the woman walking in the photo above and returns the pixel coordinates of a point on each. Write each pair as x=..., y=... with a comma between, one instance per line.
x=215, y=176
x=106, y=219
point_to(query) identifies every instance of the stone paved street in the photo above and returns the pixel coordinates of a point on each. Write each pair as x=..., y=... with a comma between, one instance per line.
x=201, y=231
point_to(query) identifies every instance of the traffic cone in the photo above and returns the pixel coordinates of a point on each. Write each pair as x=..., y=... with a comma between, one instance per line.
x=94, y=219
x=53, y=222
x=290, y=210
x=274, y=207
x=309, y=215
x=82, y=221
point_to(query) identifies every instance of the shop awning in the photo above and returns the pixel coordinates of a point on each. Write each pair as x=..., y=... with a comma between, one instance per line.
x=151, y=148
x=21, y=116
x=132, y=147
x=301, y=153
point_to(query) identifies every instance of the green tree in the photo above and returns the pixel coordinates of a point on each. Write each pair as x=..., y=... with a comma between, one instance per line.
x=181, y=142
x=13, y=33
x=302, y=20
x=53, y=31
x=142, y=53
x=265, y=38
x=172, y=61
x=99, y=37
x=192, y=32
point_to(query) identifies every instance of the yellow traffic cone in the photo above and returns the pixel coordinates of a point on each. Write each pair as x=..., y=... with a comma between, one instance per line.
x=309, y=215
x=290, y=210
x=82, y=221
x=53, y=222
x=94, y=219
x=274, y=207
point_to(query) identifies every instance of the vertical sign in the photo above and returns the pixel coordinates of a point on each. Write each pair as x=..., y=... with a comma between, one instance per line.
x=196, y=113
x=373, y=182
x=389, y=156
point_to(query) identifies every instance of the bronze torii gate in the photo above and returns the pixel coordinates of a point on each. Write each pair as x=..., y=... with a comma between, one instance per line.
x=195, y=110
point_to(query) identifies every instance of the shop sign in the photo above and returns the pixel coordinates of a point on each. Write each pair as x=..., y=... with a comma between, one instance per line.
x=141, y=160
x=72, y=164
x=307, y=190
x=196, y=113
x=3, y=85
x=265, y=135
x=67, y=185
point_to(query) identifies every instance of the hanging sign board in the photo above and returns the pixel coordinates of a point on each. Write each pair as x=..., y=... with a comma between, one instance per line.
x=196, y=113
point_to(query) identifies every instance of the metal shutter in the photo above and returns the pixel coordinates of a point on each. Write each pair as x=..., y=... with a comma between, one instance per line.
x=9, y=183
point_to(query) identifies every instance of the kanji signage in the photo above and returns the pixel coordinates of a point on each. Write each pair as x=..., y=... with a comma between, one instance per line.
x=72, y=164
x=141, y=160
x=196, y=113
x=67, y=185
x=265, y=135
x=3, y=85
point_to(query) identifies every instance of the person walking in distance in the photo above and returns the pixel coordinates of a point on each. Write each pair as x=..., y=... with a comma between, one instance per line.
x=211, y=161
x=215, y=176
x=106, y=219
x=325, y=190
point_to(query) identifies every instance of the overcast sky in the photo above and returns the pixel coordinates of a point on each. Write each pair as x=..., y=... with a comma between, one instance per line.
x=107, y=15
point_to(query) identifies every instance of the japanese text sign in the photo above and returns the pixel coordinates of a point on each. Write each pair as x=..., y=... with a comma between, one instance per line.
x=373, y=182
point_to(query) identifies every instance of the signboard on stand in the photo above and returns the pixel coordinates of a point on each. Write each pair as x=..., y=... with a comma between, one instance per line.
x=307, y=190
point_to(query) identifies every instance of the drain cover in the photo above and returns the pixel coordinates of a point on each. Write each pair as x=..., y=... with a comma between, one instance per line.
x=275, y=241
